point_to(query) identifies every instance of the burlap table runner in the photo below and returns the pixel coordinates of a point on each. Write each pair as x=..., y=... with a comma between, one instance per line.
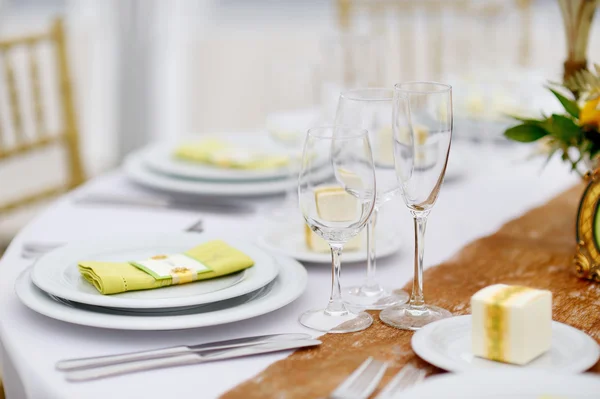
x=535, y=250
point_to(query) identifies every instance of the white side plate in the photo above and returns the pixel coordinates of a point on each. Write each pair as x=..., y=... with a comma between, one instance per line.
x=57, y=274
x=288, y=286
x=506, y=384
x=447, y=345
x=290, y=242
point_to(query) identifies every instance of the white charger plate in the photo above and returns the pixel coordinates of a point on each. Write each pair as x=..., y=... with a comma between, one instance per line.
x=290, y=242
x=159, y=157
x=506, y=384
x=447, y=345
x=57, y=274
x=288, y=286
x=138, y=172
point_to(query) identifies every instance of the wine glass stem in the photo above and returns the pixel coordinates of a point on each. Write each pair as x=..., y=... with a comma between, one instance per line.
x=371, y=261
x=336, y=306
x=416, y=299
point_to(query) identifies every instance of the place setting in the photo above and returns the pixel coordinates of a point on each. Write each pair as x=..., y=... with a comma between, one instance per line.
x=141, y=282
x=218, y=165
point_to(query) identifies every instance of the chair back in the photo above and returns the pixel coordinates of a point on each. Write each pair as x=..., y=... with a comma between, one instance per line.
x=27, y=100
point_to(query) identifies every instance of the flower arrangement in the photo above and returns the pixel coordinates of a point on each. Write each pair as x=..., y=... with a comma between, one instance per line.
x=575, y=134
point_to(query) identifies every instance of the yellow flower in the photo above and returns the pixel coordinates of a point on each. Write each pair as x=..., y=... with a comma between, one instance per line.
x=590, y=113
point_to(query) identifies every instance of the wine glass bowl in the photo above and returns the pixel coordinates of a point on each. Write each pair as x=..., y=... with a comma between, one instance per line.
x=336, y=206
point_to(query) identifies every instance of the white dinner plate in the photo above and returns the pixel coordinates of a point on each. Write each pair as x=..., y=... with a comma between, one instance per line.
x=506, y=384
x=290, y=242
x=57, y=273
x=447, y=345
x=288, y=286
x=139, y=173
x=159, y=157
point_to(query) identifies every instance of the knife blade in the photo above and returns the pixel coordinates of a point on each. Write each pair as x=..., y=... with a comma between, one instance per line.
x=97, y=361
x=185, y=359
x=195, y=204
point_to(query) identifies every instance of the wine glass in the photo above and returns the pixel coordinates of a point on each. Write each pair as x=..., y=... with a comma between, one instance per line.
x=336, y=191
x=371, y=109
x=422, y=124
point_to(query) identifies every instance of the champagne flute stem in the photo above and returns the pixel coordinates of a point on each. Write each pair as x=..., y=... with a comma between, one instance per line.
x=372, y=260
x=336, y=306
x=416, y=299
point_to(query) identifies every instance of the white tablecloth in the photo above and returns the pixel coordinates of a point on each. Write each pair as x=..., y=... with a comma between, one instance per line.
x=497, y=188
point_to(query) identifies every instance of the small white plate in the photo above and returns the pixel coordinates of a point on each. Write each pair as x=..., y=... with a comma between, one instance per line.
x=506, y=384
x=57, y=273
x=288, y=286
x=139, y=173
x=290, y=242
x=159, y=157
x=447, y=345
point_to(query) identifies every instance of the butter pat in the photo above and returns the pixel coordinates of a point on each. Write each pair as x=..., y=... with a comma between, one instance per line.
x=334, y=204
x=318, y=244
x=511, y=324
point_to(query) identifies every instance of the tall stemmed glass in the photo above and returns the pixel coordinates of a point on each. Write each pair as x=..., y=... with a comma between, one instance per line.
x=336, y=190
x=422, y=124
x=371, y=109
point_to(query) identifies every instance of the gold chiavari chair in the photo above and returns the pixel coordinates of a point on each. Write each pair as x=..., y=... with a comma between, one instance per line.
x=437, y=38
x=22, y=143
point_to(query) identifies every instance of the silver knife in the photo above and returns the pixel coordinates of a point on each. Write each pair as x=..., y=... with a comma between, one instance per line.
x=97, y=361
x=186, y=359
x=195, y=204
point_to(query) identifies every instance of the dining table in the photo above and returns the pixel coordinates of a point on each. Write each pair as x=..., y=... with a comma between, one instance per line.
x=498, y=183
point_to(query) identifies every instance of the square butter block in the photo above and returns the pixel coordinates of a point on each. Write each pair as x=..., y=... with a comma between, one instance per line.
x=334, y=204
x=511, y=324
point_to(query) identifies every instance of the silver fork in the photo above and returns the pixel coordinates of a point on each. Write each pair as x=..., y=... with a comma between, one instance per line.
x=408, y=376
x=32, y=250
x=362, y=382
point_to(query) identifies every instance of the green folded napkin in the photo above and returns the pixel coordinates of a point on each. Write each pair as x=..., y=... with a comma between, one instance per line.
x=217, y=258
x=218, y=153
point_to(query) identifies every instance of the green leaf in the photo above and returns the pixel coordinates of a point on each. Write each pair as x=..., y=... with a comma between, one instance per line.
x=570, y=106
x=525, y=133
x=565, y=129
x=526, y=121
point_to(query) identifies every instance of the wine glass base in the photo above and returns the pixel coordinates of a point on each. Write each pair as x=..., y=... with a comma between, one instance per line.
x=373, y=297
x=406, y=318
x=344, y=322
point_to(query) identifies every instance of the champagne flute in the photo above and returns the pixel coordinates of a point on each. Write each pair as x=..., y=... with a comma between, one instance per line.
x=371, y=109
x=422, y=124
x=336, y=205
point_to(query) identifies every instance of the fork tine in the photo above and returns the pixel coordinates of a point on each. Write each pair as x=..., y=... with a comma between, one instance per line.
x=343, y=387
x=362, y=382
x=408, y=376
x=369, y=381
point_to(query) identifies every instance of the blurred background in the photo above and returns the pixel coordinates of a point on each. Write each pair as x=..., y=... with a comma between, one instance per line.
x=144, y=70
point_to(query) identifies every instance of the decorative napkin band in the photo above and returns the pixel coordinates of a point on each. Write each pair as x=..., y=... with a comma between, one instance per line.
x=219, y=153
x=212, y=259
x=180, y=268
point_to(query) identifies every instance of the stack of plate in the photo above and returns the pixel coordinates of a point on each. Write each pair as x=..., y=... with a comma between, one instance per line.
x=156, y=167
x=55, y=288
